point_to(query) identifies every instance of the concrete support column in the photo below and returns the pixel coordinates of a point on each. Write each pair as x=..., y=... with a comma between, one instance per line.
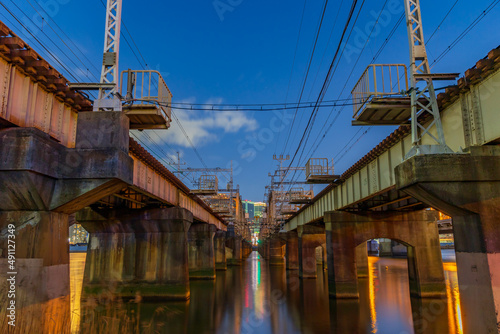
x=37, y=271
x=362, y=260
x=418, y=230
x=143, y=252
x=276, y=254
x=309, y=237
x=264, y=249
x=467, y=188
x=246, y=248
x=201, y=251
x=384, y=247
x=292, y=250
x=220, y=250
x=234, y=243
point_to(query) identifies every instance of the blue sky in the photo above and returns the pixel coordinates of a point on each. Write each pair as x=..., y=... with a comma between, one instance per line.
x=242, y=51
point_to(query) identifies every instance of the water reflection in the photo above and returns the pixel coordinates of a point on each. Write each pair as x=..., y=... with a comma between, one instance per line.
x=258, y=298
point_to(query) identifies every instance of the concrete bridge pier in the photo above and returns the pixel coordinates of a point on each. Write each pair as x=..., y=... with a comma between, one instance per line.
x=292, y=250
x=467, y=188
x=246, y=248
x=41, y=183
x=418, y=230
x=384, y=247
x=233, y=242
x=310, y=237
x=220, y=250
x=37, y=273
x=361, y=260
x=264, y=249
x=276, y=254
x=201, y=251
x=140, y=252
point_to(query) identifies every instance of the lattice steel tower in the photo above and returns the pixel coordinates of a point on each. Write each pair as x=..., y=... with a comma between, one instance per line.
x=423, y=99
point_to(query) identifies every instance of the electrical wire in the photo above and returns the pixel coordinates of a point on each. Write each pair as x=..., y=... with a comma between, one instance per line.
x=322, y=93
x=474, y=23
x=291, y=72
x=63, y=41
x=39, y=42
x=210, y=107
x=326, y=84
x=441, y=23
x=307, y=72
x=309, y=154
x=47, y=36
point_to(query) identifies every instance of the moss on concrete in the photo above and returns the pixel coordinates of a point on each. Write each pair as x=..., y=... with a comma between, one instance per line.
x=202, y=274
x=146, y=291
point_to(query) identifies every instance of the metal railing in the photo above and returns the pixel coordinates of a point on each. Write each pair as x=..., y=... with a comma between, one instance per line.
x=209, y=182
x=146, y=88
x=221, y=204
x=299, y=194
x=379, y=80
x=318, y=166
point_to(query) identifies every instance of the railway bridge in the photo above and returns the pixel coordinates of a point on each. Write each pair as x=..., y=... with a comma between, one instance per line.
x=60, y=163
x=385, y=195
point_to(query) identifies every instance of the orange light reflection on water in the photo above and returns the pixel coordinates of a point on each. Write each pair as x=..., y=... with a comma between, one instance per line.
x=77, y=266
x=453, y=295
x=371, y=287
x=453, y=308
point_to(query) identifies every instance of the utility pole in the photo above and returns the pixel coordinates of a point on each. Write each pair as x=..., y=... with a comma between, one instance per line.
x=179, y=164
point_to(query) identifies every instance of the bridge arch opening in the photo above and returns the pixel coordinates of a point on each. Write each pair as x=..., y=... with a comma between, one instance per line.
x=417, y=231
x=387, y=254
x=321, y=256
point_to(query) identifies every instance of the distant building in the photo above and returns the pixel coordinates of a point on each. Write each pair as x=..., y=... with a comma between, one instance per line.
x=248, y=206
x=77, y=234
x=254, y=213
x=259, y=209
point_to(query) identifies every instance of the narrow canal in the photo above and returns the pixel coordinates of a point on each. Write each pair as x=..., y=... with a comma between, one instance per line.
x=257, y=298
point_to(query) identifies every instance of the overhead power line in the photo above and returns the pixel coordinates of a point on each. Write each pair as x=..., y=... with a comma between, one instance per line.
x=262, y=108
x=442, y=21
x=307, y=72
x=464, y=33
x=325, y=86
x=56, y=59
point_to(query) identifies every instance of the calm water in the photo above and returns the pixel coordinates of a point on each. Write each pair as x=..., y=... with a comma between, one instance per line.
x=257, y=298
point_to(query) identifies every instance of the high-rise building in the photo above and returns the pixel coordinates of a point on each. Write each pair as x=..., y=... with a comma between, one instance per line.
x=77, y=234
x=259, y=209
x=249, y=208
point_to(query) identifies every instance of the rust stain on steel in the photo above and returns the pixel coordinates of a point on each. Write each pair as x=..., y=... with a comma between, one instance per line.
x=141, y=154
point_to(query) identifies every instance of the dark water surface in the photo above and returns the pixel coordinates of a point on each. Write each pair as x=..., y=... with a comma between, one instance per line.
x=258, y=298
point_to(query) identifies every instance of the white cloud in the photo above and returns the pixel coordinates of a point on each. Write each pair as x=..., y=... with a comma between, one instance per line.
x=174, y=157
x=203, y=127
